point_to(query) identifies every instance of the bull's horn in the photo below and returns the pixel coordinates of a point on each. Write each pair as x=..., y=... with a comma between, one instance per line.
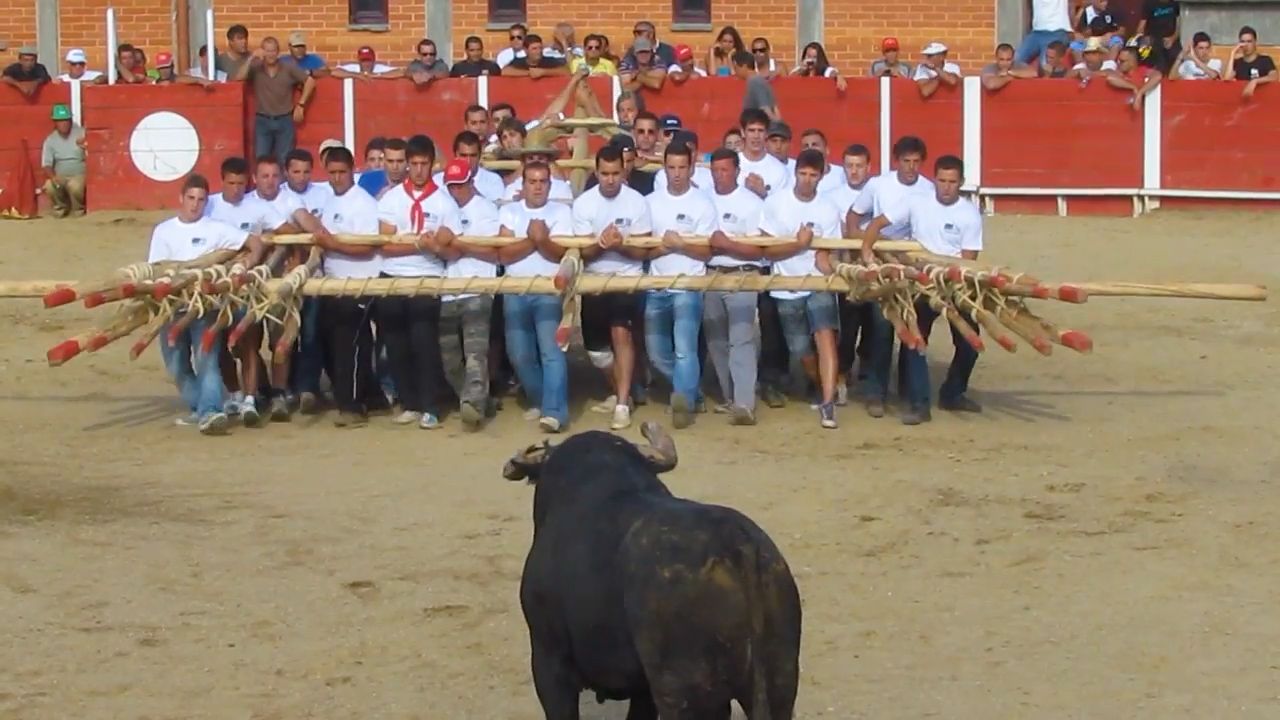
x=661, y=451
x=525, y=463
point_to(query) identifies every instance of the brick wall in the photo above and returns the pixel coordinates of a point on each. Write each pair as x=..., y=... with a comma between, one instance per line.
x=853, y=27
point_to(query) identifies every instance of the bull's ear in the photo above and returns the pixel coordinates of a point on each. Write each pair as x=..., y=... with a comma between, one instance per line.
x=527, y=463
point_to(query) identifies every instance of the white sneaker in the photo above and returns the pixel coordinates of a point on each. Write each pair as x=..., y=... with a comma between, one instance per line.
x=549, y=424
x=533, y=414
x=249, y=412
x=189, y=420
x=233, y=403
x=214, y=424
x=606, y=407
x=842, y=394
x=429, y=422
x=408, y=417
x=621, y=418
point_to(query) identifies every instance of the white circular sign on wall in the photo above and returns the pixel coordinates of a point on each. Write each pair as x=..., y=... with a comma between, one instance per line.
x=164, y=146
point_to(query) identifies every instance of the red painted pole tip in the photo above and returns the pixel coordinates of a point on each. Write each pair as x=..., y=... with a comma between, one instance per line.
x=1076, y=340
x=1072, y=294
x=161, y=290
x=954, y=273
x=1042, y=346
x=560, y=282
x=128, y=290
x=61, y=296
x=97, y=342
x=1040, y=292
x=62, y=352
x=975, y=341
x=1007, y=343
x=137, y=349
x=95, y=299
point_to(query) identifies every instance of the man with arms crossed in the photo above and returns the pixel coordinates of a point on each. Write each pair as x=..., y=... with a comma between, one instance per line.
x=611, y=212
x=945, y=224
x=673, y=318
x=184, y=238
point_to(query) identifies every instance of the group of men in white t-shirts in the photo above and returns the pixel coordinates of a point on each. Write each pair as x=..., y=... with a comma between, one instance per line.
x=738, y=196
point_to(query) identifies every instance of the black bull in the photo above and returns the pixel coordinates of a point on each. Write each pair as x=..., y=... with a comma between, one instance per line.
x=638, y=595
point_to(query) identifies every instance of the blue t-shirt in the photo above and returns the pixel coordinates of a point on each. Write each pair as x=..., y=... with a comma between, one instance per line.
x=373, y=181
x=309, y=62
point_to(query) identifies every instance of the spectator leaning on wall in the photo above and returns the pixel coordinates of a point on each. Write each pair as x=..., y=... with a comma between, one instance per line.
x=1004, y=70
x=273, y=85
x=1197, y=62
x=1248, y=66
x=77, y=70
x=62, y=161
x=935, y=71
x=299, y=56
x=27, y=75
x=474, y=64
x=890, y=65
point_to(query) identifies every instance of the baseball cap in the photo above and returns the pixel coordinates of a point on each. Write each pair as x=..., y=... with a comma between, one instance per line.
x=641, y=44
x=76, y=55
x=164, y=59
x=684, y=52
x=27, y=50
x=777, y=128
x=60, y=112
x=330, y=144
x=366, y=53
x=889, y=43
x=684, y=137
x=623, y=142
x=669, y=122
x=934, y=48
x=458, y=172
x=297, y=38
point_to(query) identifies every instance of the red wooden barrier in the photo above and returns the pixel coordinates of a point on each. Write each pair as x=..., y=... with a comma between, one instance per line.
x=1213, y=139
x=845, y=118
x=323, y=119
x=401, y=109
x=144, y=139
x=26, y=118
x=937, y=119
x=707, y=106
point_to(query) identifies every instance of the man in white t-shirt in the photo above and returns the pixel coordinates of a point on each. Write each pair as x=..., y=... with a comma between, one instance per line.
x=465, y=319
x=560, y=190
x=673, y=318
x=856, y=318
x=945, y=224
x=778, y=141
x=761, y=173
x=531, y=320
x=411, y=324
x=729, y=318
x=611, y=212
x=833, y=176
x=1198, y=62
x=935, y=71
x=184, y=238
x=466, y=145
x=808, y=318
x=347, y=333
x=309, y=364
x=702, y=180
x=881, y=192
x=78, y=72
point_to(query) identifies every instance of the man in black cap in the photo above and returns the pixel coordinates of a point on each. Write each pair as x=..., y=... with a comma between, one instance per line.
x=27, y=75
x=668, y=125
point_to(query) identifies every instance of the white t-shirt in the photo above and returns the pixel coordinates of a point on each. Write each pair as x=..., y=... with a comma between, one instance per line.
x=488, y=183
x=885, y=191
x=1111, y=65
x=560, y=189
x=737, y=215
x=627, y=211
x=1188, y=70
x=354, y=212
x=516, y=216
x=924, y=72
x=782, y=217
x=507, y=54
x=941, y=229
x=183, y=242
x=250, y=214
x=377, y=68
x=478, y=218
x=687, y=215
x=844, y=196
x=695, y=72
x=284, y=202
x=439, y=210
x=832, y=179
x=701, y=180
x=1050, y=15
x=88, y=76
x=313, y=197
x=769, y=168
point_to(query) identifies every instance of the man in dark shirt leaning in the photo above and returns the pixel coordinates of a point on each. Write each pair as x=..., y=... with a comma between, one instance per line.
x=27, y=75
x=273, y=85
x=1250, y=66
x=639, y=180
x=475, y=64
x=534, y=64
x=427, y=66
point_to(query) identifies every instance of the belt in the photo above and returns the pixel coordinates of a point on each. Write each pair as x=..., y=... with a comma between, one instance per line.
x=274, y=117
x=726, y=269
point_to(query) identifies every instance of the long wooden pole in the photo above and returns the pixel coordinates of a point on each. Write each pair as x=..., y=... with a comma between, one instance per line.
x=569, y=241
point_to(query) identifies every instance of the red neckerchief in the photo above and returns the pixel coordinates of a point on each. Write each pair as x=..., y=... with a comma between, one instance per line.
x=418, y=216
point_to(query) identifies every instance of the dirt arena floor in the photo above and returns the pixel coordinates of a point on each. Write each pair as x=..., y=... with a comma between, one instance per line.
x=1099, y=543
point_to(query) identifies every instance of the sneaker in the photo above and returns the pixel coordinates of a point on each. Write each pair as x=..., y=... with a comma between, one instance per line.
x=308, y=403
x=875, y=408
x=681, y=414
x=348, y=419
x=723, y=409
x=214, y=423
x=232, y=405
x=188, y=420
x=408, y=417
x=700, y=407
x=471, y=416
x=842, y=393
x=280, y=409
x=960, y=404
x=827, y=413
x=773, y=397
x=621, y=418
x=549, y=424
x=249, y=413
x=741, y=416
x=532, y=414
x=606, y=407
x=916, y=415
x=429, y=422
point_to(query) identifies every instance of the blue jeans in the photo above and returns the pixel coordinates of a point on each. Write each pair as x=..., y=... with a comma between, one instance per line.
x=195, y=372
x=1034, y=44
x=879, y=355
x=273, y=135
x=531, y=322
x=672, y=321
x=917, y=365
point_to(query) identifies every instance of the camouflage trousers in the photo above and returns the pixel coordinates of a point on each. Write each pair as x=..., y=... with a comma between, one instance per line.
x=464, y=341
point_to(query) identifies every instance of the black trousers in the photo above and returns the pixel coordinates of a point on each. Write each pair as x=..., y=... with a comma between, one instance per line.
x=411, y=326
x=775, y=360
x=348, y=342
x=855, y=335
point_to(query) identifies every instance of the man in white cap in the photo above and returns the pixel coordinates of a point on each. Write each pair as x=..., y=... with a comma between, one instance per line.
x=935, y=71
x=77, y=70
x=27, y=75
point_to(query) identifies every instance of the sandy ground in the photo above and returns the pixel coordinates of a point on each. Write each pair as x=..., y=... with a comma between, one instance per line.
x=1099, y=543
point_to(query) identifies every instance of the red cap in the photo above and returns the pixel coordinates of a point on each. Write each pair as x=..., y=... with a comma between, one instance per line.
x=458, y=171
x=684, y=52
x=164, y=59
x=366, y=53
x=889, y=43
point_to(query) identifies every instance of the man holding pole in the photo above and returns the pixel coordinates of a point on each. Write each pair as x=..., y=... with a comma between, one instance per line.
x=184, y=238
x=945, y=224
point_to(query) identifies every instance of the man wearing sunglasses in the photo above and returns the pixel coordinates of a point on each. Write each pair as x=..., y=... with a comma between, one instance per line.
x=515, y=35
x=77, y=72
x=427, y=66
x=593, y=59
x=765, y=64
x=665, y=54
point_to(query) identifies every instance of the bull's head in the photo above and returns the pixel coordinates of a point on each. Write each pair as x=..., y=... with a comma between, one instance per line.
x=660, y=454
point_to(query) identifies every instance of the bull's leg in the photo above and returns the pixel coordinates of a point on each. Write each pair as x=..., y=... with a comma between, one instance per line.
x=642, y=708
x=693, y=708
x=555, y=684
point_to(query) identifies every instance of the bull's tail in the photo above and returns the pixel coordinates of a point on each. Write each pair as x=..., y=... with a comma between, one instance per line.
x=749, y=552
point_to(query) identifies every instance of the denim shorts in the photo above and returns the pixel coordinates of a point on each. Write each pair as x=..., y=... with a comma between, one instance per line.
x=802, y=317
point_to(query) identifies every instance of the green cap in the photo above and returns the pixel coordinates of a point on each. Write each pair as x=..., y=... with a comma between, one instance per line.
x=61, y=112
